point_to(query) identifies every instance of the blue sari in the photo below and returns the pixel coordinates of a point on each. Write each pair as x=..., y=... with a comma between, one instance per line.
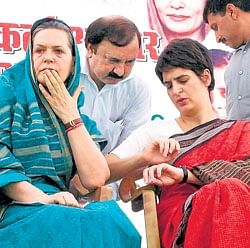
x=35, y=148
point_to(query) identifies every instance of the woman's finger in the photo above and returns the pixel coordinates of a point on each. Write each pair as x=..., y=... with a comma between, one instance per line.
x=152, y=173
x=66, y=199
x=54, y=82
x=77, y=92
x=145, y=176
x=159, y=171
x=173, y=145
x=60, y=85
x=162, y=146
x=45, y=92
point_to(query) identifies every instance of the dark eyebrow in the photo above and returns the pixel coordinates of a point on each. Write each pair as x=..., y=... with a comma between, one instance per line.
x=109, y=57
x=177, y=78
x=130, y=60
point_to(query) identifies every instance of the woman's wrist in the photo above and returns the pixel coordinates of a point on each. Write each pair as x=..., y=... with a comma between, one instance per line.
x=67, y=119
x=185, y=174
x=143, y=159
x=73, y=124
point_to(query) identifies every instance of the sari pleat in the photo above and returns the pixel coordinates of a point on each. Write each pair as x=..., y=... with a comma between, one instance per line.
x=220, y=216
x=218, y=154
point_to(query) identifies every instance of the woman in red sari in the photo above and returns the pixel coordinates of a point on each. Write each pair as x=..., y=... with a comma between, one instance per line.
x=204, y=172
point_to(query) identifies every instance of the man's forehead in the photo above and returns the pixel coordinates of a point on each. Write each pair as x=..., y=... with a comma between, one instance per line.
x=213, y=18
x=120, y=57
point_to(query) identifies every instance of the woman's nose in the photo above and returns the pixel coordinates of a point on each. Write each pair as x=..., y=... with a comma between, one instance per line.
x=177, y=89
x=176, y=4
x=48, y=59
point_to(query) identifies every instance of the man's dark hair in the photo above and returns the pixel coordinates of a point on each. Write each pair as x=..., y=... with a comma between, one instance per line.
x=118, y=30
x=219, y=7
x=188, y=54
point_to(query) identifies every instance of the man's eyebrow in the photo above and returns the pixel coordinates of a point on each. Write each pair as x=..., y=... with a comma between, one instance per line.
x=109, y=57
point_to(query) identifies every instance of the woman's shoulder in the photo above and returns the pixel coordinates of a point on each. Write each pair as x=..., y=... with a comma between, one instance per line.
x=161, y=128
x=13, y=74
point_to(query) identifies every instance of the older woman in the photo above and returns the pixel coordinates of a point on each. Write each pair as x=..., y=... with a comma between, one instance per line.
x=44, y=139
x=204, y=168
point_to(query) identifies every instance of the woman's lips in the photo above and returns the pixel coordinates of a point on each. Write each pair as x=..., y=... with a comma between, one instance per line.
x=181, y=101
x=178, y=18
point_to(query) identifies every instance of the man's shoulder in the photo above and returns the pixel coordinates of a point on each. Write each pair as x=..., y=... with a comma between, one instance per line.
x=135, y=83
x=133, y=78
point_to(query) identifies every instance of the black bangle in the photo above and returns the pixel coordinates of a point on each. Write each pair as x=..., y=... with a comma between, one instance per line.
x=185, y=175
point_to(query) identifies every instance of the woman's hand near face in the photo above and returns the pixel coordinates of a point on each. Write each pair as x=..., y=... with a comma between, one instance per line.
x=162, y=175
x=63, y=104
x=90, y=162
x=161, y=151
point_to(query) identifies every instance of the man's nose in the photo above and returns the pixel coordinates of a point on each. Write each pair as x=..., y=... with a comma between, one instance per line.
x=119, y=69
x=218, y=38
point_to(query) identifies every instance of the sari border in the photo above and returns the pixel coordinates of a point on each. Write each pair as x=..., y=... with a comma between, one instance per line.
x=200, y=135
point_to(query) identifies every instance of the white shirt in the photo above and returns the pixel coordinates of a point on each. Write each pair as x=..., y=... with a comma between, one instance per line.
x=144, y=135
x=117, y=109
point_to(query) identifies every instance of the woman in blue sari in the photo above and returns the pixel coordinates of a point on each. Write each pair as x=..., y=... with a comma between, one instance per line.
x=44, y=139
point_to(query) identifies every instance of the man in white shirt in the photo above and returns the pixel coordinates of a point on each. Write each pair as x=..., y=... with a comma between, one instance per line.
x=114, y=97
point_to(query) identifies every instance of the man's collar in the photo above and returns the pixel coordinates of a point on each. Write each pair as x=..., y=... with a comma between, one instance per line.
x=244, y=46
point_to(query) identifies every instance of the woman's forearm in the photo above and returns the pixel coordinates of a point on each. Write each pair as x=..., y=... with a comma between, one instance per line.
x=27, y=193
x=91, y=165
x=24, y=192
x=120, y=168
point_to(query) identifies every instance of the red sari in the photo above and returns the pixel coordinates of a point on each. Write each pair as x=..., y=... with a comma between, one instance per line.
x=218, y=215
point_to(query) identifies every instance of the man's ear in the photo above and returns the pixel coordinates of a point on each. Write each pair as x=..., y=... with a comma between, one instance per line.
x=206, y=77
x=90, y=50
x=232, y=10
